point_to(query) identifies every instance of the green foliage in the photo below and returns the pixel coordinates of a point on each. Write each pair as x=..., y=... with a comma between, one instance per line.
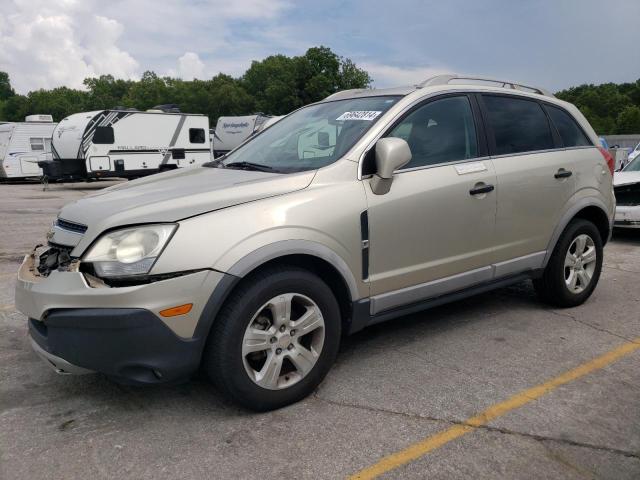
x=5, y=87
x=610, y=108
x=276, y=85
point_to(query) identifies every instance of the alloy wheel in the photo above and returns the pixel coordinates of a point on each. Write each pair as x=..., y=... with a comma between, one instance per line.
x=283, y=341
x=580, y=263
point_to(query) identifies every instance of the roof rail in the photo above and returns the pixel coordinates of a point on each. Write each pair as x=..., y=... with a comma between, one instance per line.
x=446, y=79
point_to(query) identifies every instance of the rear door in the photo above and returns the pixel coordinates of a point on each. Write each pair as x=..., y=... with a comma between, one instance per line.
x=535, y=179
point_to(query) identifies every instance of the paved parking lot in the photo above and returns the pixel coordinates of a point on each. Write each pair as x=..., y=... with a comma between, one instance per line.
x=405, y=391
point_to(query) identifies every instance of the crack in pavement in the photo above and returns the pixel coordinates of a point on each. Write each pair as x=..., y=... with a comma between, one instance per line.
x=599, y=329
x=505, y=431
x=620, y=269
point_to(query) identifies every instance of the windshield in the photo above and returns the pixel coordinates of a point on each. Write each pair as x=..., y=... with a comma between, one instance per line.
x=633, y=166
x=312, y=137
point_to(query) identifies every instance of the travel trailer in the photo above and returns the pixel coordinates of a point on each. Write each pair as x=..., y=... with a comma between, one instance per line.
x=23, y=145
x=127, y=143
x=232, y=131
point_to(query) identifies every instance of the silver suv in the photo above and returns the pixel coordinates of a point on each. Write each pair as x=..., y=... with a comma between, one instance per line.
x=357, y=209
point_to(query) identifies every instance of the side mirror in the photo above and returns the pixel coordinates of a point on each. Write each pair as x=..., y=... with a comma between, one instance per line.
x=391, y=154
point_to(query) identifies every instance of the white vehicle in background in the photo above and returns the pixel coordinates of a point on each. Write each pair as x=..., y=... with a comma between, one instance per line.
x=23, y=145
x=626, y=186
x=635, y=153
x=127, y=143
x=232, y=131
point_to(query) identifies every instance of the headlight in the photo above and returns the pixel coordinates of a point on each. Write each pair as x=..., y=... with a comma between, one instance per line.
x=130, y=251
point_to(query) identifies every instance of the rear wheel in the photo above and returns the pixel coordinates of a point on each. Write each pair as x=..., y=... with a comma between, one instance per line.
x=275, y=339
x=574, y=267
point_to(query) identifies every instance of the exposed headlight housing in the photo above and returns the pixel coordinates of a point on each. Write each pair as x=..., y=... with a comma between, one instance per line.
x=129, y=251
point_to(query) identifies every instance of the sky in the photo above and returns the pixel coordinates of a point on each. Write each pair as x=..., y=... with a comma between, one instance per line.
x=553, y=44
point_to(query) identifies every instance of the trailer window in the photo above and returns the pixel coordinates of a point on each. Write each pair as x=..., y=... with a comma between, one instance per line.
x=103, y=135
x=196, y=135
x=37, y=144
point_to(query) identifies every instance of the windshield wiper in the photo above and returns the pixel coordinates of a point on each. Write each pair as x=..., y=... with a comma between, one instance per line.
x=250, y=166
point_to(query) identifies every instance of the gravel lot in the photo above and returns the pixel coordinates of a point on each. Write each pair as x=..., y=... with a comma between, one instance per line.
x=393, y=385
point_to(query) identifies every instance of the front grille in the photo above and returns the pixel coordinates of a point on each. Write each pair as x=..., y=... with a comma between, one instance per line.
x=71, y=226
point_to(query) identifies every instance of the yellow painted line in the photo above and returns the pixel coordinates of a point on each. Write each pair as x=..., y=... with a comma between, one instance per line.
x=421, y=448
x=6, y=308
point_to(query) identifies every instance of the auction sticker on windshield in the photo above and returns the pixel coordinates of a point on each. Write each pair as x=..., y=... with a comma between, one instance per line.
x=367, y=115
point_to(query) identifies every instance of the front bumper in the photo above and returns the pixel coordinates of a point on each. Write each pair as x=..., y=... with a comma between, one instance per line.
x=127, y=344
x=116, y=331
x=627, y=216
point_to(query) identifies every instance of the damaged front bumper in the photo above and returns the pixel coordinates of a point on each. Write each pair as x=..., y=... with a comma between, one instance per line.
x=78, y=324
x=627, y=216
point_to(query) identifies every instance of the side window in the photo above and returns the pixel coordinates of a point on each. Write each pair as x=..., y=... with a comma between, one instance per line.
x=438, y=132
x=37, y=144
x=518, y=125
x=196, y=135
x=571, y=134
x=103, y=135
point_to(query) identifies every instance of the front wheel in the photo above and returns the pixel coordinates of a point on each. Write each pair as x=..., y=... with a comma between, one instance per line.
x=574, y=267
x=275, y=339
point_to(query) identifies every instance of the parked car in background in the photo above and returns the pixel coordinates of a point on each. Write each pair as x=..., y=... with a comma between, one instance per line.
x=603, y=143
x=355, y=210
x=127, y=143
x=23, y=145
x=635, y=153
x=627, y=191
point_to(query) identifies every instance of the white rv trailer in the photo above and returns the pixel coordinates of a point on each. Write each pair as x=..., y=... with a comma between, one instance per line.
x=232, y=131
x=23, y=145
x=127, y=143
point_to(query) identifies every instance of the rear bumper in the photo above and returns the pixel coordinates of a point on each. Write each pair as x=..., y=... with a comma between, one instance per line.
x=129, y=345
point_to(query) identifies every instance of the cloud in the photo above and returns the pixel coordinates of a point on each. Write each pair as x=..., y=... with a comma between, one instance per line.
x=393, y=76
x=190, y=66
x=46, y=45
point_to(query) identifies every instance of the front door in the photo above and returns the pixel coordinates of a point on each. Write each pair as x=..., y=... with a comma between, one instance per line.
x=433, y=232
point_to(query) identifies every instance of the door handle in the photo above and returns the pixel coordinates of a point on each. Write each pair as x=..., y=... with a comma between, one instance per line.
x=562, y=173
x=480, y=189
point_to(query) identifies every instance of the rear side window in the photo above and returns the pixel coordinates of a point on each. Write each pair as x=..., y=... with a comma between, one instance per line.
x=196, y=135
x=571, y=134
x=438, y=132
x=103, y=135
x=518, y=125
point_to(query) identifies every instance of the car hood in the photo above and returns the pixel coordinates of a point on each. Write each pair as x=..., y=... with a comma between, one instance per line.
x=172, y=196
x=625, y=178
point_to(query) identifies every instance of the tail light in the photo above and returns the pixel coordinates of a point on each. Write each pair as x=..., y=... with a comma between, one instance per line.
x=611, y=162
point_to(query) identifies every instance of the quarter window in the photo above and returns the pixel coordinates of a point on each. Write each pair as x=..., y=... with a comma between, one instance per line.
x=440, y=131
x=518, y=125
x=37, y=144
x=196, y=135
x=571, y=134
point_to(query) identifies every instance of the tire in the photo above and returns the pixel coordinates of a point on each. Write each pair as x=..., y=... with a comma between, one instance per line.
x=557, y=286
x=242, y=376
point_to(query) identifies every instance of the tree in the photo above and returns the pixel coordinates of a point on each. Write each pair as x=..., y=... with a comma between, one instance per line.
x=6, y=90
x=628, y=120
x=106, y=91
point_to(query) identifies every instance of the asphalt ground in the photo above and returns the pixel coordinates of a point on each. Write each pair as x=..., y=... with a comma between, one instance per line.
x=496, y=386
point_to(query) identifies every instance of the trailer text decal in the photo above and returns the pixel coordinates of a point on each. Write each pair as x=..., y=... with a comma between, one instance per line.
x=367, y=115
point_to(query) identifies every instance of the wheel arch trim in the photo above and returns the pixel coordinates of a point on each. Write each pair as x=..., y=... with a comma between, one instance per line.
x=264, y=254
x=569, y=215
